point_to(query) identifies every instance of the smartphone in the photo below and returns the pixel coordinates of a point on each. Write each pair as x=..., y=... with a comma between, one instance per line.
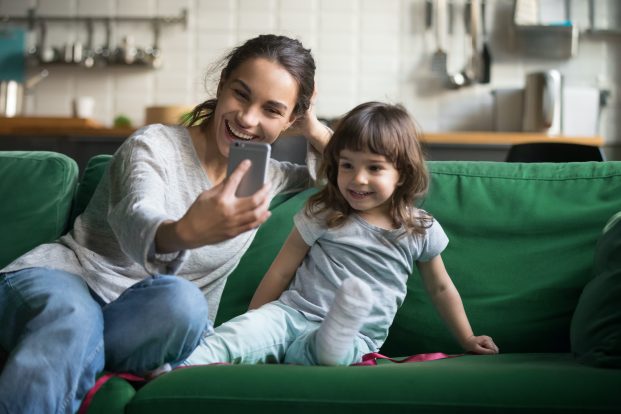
x=259, y=154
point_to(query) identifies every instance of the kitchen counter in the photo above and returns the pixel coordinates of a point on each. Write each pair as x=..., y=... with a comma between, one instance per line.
x=82, y=138
x=59, y=126
x=504, y=138
x=71, y=127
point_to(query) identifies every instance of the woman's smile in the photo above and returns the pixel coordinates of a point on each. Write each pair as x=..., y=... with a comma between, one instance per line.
x=236, y=133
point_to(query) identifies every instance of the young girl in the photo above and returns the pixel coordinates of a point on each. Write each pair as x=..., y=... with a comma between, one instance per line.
x=333, y=290
x=136, y=283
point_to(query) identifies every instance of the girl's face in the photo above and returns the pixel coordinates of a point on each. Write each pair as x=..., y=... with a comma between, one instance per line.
x=367, y=181
x=255, y=103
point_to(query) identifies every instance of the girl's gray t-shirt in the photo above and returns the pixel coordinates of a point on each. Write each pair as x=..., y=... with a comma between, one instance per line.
x=154, y=176
x=381, y=258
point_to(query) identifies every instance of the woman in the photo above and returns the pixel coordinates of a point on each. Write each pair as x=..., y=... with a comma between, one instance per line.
x=126, y=288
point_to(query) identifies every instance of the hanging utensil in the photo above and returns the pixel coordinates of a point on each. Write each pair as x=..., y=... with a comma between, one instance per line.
x=465, y=76
x=438, y=60
x=474, y=68
x=486, y=55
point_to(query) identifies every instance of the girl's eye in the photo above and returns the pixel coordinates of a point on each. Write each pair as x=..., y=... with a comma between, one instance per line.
x=344, y=165
x=375, y=168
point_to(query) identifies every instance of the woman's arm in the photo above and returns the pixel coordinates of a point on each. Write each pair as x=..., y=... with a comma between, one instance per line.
x=447, y=301
x=216, y=215
x=282, y=270
x=317, y=133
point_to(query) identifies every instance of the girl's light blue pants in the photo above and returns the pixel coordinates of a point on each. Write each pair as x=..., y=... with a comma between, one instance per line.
x=273, y=333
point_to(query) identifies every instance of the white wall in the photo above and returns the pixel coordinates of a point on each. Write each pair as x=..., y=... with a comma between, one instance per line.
x=365, y=49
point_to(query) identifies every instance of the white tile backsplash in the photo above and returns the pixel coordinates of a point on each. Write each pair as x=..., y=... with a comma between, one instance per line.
x=385, y=6
x=337, y=21
x=373, y=22
x=56, y=7
x=297, y=21
x=16, y=8
x=257, y=5
x=297, y=6
x=216, y=20
x=261, y=20
x=136, y=8
x=365, y=49
x=96, y=8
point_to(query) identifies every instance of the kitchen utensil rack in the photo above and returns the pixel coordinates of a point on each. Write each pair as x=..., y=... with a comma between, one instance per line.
x=32, y=18
x=105, y=56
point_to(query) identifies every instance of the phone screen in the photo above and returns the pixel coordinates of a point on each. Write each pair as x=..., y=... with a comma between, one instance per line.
x=258, y=153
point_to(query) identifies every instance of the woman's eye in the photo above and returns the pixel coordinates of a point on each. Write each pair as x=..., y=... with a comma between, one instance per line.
x=240, y=94
x=274, y=111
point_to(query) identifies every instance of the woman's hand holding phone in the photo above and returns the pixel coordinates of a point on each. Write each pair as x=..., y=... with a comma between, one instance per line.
x=216, y=215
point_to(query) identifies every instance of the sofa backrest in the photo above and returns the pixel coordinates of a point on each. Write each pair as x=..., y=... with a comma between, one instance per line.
x=91, y=176
x=36, y=192
x=522, y=239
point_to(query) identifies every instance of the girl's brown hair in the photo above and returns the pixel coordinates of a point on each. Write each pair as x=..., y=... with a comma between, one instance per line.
x=287, y=52
x=383, y=129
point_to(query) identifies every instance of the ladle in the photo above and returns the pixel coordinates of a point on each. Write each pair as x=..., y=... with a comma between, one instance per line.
x=471, y=72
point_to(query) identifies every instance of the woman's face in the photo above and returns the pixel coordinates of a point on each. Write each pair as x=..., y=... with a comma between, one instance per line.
x=255, y=103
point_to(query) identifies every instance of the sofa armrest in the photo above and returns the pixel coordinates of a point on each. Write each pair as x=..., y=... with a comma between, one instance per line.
x=36, y=189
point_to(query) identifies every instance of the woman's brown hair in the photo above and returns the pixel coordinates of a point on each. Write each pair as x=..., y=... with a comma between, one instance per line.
x=384, y=129
x=287, y=52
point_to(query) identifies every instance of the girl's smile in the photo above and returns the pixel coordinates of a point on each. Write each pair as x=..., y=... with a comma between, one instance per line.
x=359, y=195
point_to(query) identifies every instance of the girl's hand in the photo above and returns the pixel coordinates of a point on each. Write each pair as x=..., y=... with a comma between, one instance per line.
x=216, y=215
x=483, y=345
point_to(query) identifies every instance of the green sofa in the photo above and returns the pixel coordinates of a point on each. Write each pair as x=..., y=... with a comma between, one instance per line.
x=523, y=242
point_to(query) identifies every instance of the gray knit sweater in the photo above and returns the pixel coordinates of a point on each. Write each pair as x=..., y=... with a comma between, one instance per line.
x=154, y=176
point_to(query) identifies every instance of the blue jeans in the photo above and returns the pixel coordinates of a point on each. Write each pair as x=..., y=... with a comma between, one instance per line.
x=60, y=336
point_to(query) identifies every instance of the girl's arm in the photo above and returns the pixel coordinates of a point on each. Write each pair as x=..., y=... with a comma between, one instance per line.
x=447, y=301
x=282, y=270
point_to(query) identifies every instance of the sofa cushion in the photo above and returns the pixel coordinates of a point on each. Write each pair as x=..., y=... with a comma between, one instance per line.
x=522, y=239
x=95, y=169
x=505, y=383
x=112, y=397
x=596, y=324
x=36, y=189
